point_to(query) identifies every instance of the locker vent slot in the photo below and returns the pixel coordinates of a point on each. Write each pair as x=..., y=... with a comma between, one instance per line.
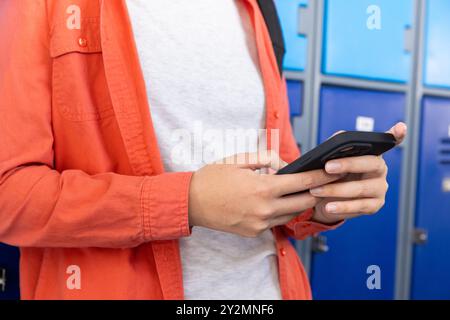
x=444, y=152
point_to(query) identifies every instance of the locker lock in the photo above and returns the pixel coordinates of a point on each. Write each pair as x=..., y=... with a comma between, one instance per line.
x=420, y=236
x=2, y=280
x=319, y=244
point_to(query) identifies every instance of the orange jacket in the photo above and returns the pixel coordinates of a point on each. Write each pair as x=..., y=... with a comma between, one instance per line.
x=81, y=178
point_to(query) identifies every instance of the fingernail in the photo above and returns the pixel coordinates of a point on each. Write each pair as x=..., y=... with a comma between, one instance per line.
x=316, y=191
x=331, y=208
x=333, y=167
x=400, y=129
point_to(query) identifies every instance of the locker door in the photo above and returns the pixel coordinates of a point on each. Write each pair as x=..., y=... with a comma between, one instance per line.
x=9, y=272
x=437, y=44
x=431, y=263
x=342, y=271
x=295, y=93
x=368, y=39
x=291, y=17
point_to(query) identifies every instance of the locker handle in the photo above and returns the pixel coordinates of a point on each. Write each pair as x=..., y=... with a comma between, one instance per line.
x=319, y=244
x=2, y=280
x=408, y=45
x=420, y=236
x=305, y=21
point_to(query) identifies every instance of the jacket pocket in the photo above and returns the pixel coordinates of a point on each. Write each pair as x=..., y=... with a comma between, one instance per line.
x=79, y=86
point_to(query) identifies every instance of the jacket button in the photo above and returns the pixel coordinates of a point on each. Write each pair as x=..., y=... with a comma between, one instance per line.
x=283, y=252
x=276, y=114
x=82, y=42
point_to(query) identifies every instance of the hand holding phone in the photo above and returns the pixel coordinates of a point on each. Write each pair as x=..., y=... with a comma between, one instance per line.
x=342, y=145
x=363, y=190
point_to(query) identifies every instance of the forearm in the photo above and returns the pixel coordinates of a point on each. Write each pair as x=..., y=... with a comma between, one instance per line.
x=41, y=207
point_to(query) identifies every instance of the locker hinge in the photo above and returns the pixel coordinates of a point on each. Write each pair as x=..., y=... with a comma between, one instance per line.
x=2, y=280
x=305, y=21
x=319, y=244
x=409, y=39
x=420, y=236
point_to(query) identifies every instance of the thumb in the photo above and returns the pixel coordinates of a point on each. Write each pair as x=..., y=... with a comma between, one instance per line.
x=399, y=132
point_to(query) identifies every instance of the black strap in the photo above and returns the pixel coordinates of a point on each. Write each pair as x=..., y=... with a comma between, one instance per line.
x=269, y=12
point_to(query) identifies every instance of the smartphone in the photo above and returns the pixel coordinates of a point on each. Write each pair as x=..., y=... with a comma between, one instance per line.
x=342, y=145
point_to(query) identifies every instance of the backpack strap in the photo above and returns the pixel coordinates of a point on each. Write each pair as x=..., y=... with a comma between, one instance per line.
x=272, y=20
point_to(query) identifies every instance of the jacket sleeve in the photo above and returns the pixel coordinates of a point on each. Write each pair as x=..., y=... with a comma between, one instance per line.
x=41, y=207
x=302, y=226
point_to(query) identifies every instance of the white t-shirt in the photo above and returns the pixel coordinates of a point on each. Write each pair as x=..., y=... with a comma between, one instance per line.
x=200, y=65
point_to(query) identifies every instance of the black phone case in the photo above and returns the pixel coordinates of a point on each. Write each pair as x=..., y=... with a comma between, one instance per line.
x=342, y=145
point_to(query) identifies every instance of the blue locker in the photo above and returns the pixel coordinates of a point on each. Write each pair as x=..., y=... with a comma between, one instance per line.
x=431, y=263
x=368, y=39
x=437, y=44
x=9, y=272
x=341, y=273
x=295, y=93
x=295, y=42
